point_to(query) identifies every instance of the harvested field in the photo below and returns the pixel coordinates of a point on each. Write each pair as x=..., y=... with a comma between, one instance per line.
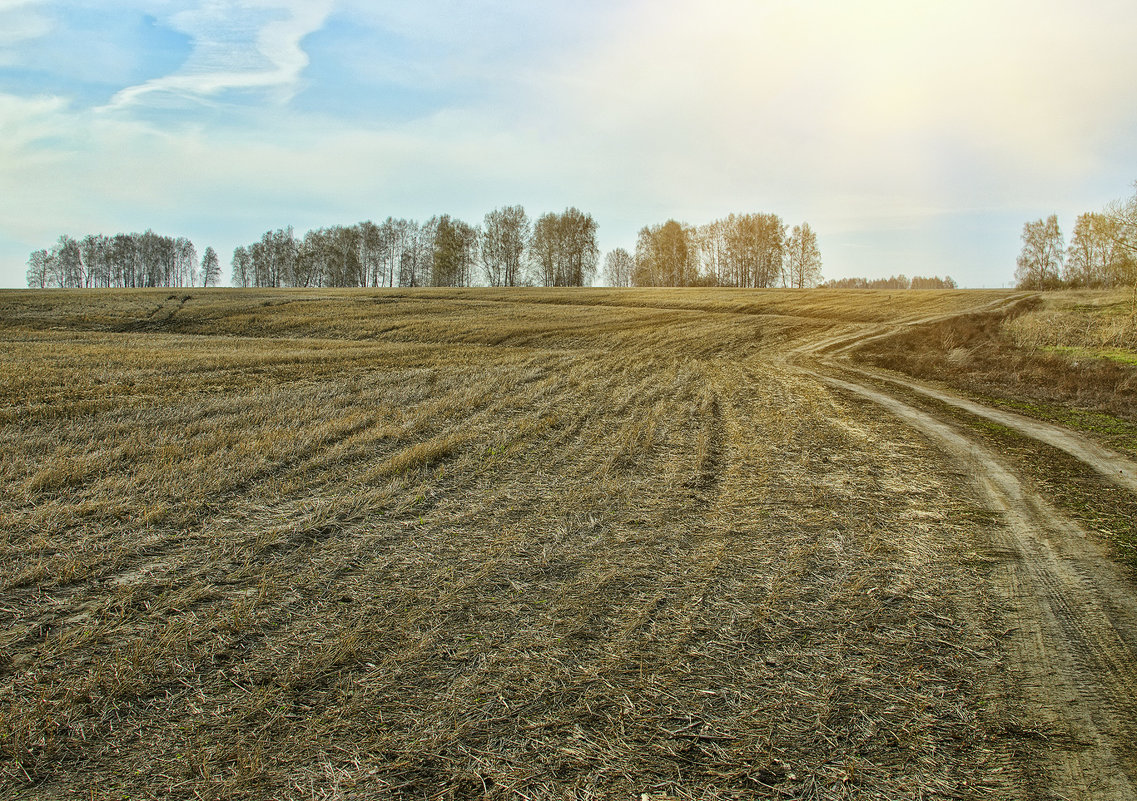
x=529, y=544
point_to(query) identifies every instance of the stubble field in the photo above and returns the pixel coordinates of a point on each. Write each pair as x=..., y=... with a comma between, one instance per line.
x=488, y=544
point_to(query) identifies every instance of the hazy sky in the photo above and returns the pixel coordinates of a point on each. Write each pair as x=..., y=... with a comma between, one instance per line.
x=915, y=137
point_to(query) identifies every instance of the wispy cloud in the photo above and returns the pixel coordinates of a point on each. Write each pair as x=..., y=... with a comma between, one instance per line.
x=894, y=128
x=21, y=20
x=244, y=45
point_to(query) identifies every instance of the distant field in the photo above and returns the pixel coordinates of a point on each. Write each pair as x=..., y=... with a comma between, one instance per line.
x=487, y=543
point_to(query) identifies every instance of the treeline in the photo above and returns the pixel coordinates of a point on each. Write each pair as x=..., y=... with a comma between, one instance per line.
x=743, y=250
x=507, y=249
x=894, y=282
x=122, y=260
x=1102, y=253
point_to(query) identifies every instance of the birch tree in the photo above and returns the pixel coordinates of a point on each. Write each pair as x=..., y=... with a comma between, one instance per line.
x=803, y=258
x=618, y=266
x=1040, y=260
x=210, y=268
x=505, y=239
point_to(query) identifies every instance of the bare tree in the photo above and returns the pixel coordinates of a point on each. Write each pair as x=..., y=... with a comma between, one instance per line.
x=125, y=260
x=242, y=267
x=1094, y=250
x=666, y=255
x=210, y=268
x=755, y=245
x=618, y=266
x=343, y=266
x=185, y=262
x=1040, y=260
x=370, y=253
x=273, y=260
x=69, y=263
x=803, y=258
x=505, y=239
x=93, y=249
x=544, y=248
x=122, y=260
x=41, y=269
x=1123, y=214
x=711, y=241
x=564, y=248
x=454, y=245
x=416, y=254
x=396, y=239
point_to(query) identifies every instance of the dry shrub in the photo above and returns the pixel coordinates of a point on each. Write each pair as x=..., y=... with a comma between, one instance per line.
x=1005, y=354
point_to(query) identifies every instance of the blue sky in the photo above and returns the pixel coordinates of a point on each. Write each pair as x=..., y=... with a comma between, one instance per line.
x=914, y=137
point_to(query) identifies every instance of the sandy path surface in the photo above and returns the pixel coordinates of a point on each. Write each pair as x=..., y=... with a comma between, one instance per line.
x=1109, y=463
x=1070, y=611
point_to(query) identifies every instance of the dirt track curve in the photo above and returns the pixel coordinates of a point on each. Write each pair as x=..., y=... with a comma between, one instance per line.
x=1071, y=625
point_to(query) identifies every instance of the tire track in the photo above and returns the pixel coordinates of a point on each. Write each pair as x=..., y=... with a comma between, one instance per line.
x=840, y=344
x=1071, y=623
x=1112, y=465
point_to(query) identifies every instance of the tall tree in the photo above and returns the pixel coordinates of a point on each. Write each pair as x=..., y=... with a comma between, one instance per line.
x=710, y=238
x=241, y=268
x=93, y=249
x=344, y=267
x=122, y=260
x=618, y=266
x=544, y=248
x=1092, y=252
x=579, y=250
x=666, y=255
x=417, y=254
x=564, y=248
x=210, y=268
x=312, y=255
x=755, y=245
x=69, y=263
x=454, y=247
x=273, y=259
x=41, y=270
x=125, y=258
x=1040, y=260
x=370, y=253
x=185, y=262
x=803, y=258
x=1123, y=215
x=397, y=238
x=505, y=237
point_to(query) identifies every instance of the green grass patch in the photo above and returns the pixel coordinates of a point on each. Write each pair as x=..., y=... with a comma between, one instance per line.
x=1118, y=432
x=1118, y=355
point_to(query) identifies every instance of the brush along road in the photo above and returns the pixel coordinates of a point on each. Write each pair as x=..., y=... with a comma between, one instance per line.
x=534, y=544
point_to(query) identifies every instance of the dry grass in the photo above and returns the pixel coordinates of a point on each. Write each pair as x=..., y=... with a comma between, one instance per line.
x=1087, y=324
x=1067, y=356
x=476, y=545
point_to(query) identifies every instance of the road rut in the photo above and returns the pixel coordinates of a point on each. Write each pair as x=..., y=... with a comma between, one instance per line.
x=1070, y=612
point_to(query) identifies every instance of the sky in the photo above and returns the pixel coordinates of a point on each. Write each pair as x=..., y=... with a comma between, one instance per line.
x=914, y=137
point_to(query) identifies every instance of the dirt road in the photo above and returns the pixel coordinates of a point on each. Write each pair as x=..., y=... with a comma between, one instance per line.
x=1070, y=612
